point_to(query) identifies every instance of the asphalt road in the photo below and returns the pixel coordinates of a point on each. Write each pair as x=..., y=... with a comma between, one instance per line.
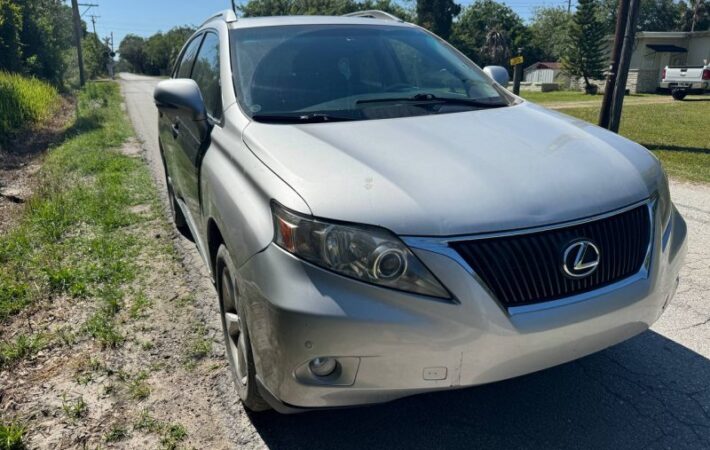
x=652, y=391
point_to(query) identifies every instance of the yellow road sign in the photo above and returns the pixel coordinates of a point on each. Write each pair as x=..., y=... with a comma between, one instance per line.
x=515, y=61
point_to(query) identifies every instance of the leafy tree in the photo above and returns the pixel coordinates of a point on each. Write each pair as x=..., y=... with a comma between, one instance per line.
x=162, y=49
x=255, y=8
x=548, y=31
x=495, y=47
x=46, y=34
x=437, y=15
x=96, y=56
x=694, y=15
x=132, y=50
x=477, y=21
x=10, y=29
x=584, y=55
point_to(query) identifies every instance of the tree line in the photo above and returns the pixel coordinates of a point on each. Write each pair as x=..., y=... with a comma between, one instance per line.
x=36, y=39
x=487, y=31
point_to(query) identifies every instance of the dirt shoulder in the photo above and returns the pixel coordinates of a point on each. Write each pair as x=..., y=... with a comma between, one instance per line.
x=20, y=159
x=102, y=339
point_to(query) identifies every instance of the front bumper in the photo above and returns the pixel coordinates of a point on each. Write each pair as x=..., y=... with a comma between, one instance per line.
x=392, y=344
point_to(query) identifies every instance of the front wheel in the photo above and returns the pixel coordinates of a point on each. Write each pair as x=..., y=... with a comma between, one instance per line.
x=236, y=334
x=679, y=94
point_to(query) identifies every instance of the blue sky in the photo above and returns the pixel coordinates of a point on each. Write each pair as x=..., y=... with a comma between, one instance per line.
x=145, y=17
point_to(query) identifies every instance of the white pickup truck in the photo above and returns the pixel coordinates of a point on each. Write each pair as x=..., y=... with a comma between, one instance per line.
x=682, y=81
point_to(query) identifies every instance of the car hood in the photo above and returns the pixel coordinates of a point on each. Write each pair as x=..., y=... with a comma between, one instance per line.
x=460, y=173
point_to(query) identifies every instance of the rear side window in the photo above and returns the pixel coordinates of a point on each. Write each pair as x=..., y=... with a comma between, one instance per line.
x=188, y=58
x=206, y=75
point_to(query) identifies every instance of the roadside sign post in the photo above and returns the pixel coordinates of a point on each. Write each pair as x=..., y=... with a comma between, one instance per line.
x=517, y=63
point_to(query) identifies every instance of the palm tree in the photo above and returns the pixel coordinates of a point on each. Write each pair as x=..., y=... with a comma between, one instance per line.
x=496, y=47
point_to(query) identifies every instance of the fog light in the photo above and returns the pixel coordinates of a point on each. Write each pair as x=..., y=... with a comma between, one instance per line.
x=323, y=366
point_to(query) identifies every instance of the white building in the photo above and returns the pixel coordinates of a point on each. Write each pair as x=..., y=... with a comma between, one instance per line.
x=654, y=50
x=542, y=72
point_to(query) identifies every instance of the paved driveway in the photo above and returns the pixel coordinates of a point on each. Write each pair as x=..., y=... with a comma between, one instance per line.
x=652, y=391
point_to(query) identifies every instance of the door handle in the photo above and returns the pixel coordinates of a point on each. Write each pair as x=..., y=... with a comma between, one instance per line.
x=176, y=129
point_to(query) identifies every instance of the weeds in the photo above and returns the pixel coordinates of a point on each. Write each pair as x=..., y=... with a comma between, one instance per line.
x=74, y=409
x=24, y=101
x=21, y=347
x=171, y=434
x=116, y=433
x=11, y=434
x=75, y=239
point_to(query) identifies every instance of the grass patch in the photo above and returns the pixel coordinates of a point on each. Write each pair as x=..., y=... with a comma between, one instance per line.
x=21, y=347
x=24, y=102
x=568, y=96
x=116, y=433
x=141, y=303
x=675, y=132
x=200, y=346
x=74, y=409
x=138, y=389
x=76, y=239
x=171, y=433
x=11, y=434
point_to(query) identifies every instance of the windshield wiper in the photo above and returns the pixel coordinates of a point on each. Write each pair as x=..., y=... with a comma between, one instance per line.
x=431, y=98
x=300, y=118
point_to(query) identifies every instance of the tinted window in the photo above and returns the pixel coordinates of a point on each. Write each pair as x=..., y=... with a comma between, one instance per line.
x=338, y=68
x=206, y=75
x=188, y=58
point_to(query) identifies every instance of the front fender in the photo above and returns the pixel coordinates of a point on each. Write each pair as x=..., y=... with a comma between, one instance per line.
x=236, y=191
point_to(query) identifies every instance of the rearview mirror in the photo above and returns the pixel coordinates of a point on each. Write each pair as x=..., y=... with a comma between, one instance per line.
x=182, y=94
x=499, y=74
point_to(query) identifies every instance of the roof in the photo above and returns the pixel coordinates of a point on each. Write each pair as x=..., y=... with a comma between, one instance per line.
x=672, y=34
x=544, y=65
x=248, y=22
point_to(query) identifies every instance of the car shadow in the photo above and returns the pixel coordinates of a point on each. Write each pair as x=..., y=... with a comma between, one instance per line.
x=648, y=392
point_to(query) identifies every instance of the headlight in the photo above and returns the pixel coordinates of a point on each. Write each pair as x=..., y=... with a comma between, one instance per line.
x=370, y=254
x=665, y=206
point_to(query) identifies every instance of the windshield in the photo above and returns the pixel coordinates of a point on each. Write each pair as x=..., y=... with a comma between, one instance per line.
x=354, y=72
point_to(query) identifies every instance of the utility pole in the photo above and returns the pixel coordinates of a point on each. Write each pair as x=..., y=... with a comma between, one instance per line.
x=93, y=22
x=234, y=7
x=624, y=62
x=622, y=12
x=77, y=40
x=569, y=6
x=517, y=63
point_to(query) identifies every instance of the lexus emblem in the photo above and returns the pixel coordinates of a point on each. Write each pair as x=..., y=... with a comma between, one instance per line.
x=580, y=259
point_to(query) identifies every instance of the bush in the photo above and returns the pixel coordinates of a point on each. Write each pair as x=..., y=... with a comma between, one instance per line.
x=24, y=102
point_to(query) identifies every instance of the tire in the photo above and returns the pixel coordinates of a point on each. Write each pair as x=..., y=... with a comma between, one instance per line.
x=679, y=94
x=236, y=334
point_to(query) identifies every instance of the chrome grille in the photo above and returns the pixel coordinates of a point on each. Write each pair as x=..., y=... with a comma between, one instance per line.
x=526, y=269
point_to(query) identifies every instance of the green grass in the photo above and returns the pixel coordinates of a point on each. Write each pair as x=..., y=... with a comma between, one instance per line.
x=171, y=433
x=74, y=409
x=77, y=239
x=11, y=435
x=24, y=102
x=676, y=133
x=116, y=433
x=567, y=96
x=21, y=347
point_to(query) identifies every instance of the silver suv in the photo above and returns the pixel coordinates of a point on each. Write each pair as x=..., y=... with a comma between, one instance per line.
x=382, y=218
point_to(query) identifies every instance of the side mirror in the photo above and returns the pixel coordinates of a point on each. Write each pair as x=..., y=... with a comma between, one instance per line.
x=499, y=74
x=181, y=94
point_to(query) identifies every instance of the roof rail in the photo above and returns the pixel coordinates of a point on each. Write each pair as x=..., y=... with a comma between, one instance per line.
x=228, y=15
x=374, y=14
